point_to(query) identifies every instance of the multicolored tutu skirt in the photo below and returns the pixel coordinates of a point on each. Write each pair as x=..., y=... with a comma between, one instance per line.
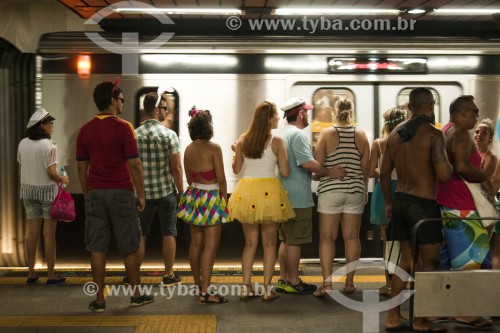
x=202, y=205
x=260, y=200
x=466, y=243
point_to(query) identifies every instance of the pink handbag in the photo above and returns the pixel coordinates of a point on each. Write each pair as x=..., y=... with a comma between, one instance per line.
x=63, y=208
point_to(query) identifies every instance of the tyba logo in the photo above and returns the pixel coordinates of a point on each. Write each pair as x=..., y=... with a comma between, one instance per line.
x=370, y=305
x=130, y=47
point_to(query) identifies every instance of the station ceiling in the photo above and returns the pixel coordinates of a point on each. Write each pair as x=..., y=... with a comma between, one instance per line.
x=430, y=21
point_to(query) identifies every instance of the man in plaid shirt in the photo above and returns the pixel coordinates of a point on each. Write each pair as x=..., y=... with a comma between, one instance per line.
x=162, y=169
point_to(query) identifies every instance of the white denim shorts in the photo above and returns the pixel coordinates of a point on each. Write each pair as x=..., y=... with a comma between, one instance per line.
x=337, y=203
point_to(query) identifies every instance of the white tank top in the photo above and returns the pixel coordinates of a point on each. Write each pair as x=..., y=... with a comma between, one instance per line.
x=264, y=167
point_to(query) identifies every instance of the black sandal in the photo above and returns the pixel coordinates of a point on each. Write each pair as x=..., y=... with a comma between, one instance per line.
x=205, y=299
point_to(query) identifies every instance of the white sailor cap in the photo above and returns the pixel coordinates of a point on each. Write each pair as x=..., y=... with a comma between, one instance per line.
x=294, y=105
x=39, y=115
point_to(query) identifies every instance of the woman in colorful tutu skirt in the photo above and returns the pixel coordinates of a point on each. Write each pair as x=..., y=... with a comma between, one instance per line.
x=259, y=201
x=203, y=204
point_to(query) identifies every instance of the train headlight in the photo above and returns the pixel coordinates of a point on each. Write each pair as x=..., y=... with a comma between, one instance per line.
x=84, y=65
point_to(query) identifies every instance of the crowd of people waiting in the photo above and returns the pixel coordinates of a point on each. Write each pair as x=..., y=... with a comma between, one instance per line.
x=128, y=175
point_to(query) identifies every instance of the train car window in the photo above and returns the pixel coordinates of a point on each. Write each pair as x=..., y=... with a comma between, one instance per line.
x=172, y=119
x=404, y=97
x=324, y=112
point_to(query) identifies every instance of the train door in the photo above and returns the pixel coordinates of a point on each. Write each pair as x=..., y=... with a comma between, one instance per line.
x=370, y=102
x=391, y=95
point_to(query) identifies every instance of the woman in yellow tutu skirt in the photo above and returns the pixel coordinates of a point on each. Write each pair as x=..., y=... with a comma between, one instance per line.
x=259, y=201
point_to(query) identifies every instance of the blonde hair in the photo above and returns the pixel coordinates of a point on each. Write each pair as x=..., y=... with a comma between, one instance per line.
x=488, y=122
x=392, y=118
x=345, y=109
x=258, y=132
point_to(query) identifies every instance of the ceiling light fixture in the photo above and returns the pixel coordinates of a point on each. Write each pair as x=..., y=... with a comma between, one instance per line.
x=334, y=11
x=178, y=10
x=416, y=11
x=464, y=11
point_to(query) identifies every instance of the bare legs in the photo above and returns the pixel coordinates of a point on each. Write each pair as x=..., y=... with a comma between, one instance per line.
x=49, y=237
x=168, y=252
x=98, y=264
x=496, y=252
x=428, y=260
x=202, y=252
x=385, y=290
x=328, y=232
x=351, y=224
x=269, y=233
x=32, y=236
x=289, y=259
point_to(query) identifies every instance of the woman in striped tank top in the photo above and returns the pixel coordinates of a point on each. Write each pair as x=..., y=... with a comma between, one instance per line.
x=341, y=201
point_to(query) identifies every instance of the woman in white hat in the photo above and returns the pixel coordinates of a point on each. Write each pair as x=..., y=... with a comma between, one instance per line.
x=37, y=156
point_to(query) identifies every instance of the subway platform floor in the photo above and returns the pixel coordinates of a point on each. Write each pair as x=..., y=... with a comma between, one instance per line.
x=64, y=308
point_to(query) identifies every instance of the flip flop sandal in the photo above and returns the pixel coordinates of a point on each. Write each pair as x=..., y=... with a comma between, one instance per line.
x=246, y=292
x=432, y=328
x=321, y=292
x=349, y=288
x=270, y=297
x=404, y=326
x=474, y=325
x=205, y=299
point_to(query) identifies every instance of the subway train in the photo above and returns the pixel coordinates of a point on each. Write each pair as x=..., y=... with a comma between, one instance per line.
x=230, y=77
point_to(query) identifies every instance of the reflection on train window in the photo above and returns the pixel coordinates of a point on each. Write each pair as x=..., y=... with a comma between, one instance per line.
x=404, y=97
x=172, y=119
x=324, y=113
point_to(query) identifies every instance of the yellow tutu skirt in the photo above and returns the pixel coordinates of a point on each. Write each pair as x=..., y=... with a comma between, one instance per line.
x=260, y=200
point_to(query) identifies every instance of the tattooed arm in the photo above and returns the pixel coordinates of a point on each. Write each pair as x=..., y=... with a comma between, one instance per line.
x=442, y=166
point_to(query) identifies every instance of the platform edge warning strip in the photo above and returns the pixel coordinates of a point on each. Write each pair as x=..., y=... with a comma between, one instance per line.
x=143, y=324
x=189, y=279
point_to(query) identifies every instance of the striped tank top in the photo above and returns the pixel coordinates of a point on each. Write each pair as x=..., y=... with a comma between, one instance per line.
x=347, y=156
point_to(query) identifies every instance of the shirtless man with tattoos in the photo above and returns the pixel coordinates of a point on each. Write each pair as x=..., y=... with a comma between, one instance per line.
x=417, y=150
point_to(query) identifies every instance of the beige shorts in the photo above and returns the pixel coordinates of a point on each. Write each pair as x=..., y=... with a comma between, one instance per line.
x=298, y=230
x=337, y=203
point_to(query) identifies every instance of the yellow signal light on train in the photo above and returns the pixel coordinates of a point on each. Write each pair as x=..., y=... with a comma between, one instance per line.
x=84, y=65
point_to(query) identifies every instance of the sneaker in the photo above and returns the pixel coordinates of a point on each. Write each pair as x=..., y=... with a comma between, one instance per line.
x=281, y=285
x=170, y=280
x=141, y=300
x=126, y=281
x=300, y=288
x=32, y=280
x=97, y=306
